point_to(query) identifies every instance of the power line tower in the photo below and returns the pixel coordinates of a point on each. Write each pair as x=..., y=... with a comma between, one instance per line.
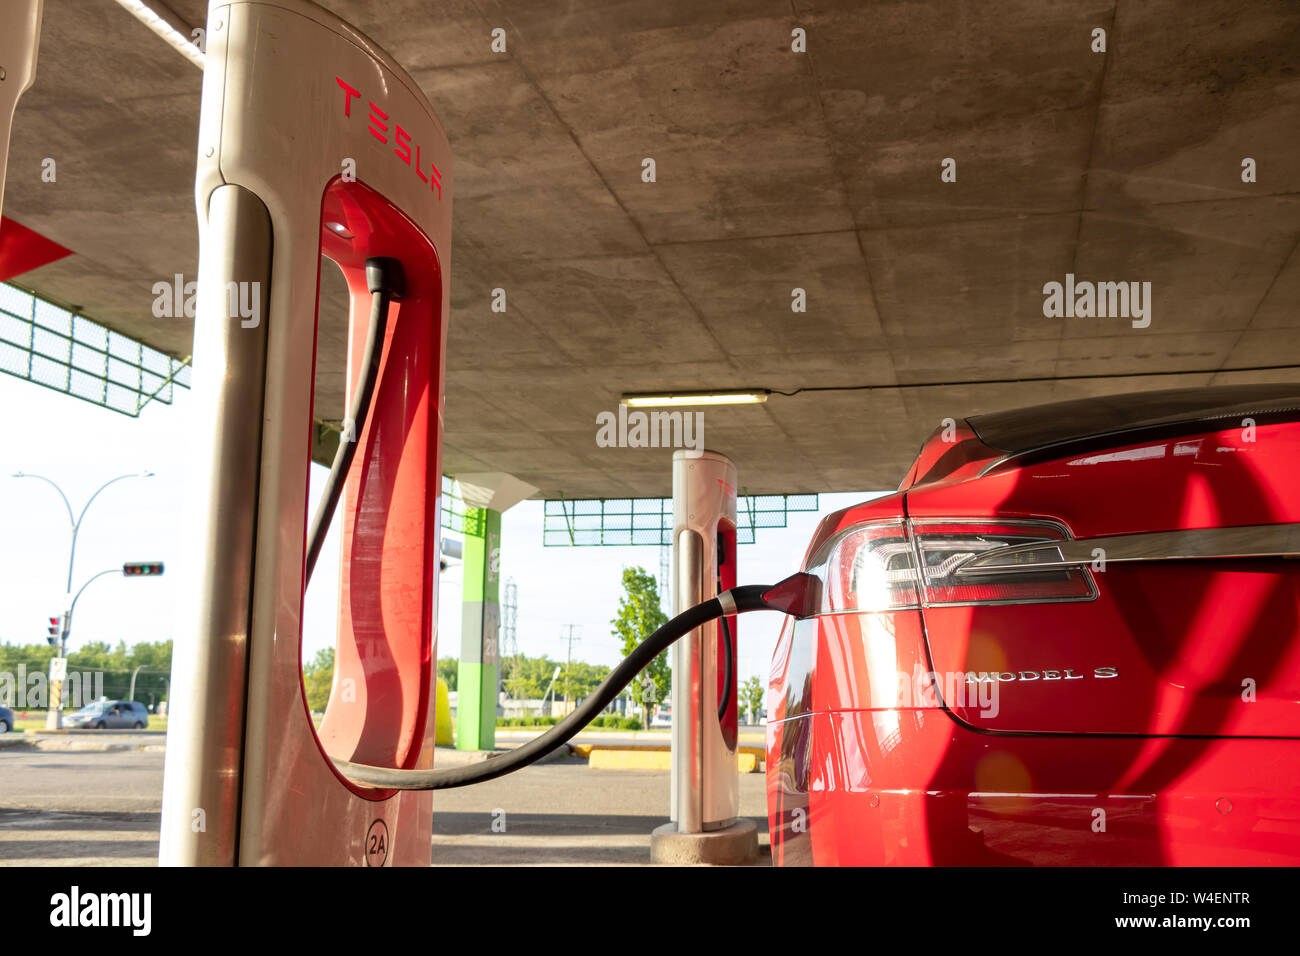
x=510, y=612
x=509, y=644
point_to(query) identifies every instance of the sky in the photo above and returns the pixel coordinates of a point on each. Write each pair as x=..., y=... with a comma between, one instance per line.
x=80, y=446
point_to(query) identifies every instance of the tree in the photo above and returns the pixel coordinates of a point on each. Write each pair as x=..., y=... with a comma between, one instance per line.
x=529, y=677
x=751, y=696
x=580, y=680
x=639, y=616
x=448, y=668
x=317, y=678
x=115, y=665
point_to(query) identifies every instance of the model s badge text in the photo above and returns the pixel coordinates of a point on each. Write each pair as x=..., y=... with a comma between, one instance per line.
x=1064, y=674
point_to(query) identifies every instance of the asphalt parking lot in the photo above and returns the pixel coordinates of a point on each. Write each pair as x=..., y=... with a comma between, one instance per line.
x=566, y=814
x=96, y=808
x=102, y=809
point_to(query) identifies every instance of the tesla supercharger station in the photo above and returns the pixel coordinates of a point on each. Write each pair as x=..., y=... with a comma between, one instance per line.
x=312, y=142
x=20, y=32
x=705, y=785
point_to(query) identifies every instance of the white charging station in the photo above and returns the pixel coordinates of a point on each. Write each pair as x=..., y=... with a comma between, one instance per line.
x=20, y=35
x=705, y=825
x=312, y=141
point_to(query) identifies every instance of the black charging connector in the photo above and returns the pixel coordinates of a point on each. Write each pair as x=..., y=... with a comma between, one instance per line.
x=387, y=284
x=728, y=651
x=384, y=274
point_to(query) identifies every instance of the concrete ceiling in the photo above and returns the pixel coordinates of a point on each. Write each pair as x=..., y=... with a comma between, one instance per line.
x=775, y=170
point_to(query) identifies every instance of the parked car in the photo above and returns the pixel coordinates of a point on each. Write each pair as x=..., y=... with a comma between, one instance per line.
x=110, y=715
x=6, y=720
x=1072, y=636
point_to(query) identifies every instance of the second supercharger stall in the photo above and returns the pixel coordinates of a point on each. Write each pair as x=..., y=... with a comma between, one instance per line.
x=20, y=33
x=312, y=142
x=705, y=783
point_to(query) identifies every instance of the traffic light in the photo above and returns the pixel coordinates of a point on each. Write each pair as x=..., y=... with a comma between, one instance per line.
x=56, y=626
x=142, y=568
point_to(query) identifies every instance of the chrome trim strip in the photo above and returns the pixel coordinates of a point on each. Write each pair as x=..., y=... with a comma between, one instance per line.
x=1246, y=541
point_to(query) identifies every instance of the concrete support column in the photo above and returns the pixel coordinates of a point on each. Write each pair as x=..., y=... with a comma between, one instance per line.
x=478, y=676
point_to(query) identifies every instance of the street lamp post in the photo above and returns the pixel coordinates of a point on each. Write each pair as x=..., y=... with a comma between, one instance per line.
x=130, y=569
x=131, y=694
x=54, y=717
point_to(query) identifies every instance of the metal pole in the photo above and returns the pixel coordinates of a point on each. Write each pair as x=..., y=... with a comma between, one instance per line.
x=705, y=824
x=705, y=788
x=568, y=662
x=63, y=642
x=549, y=691
x=54, y=715
x=76, y=525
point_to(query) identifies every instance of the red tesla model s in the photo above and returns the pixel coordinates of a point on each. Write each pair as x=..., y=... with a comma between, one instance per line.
x=1072, y=636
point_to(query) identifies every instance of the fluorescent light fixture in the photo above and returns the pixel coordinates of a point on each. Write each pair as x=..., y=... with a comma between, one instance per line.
x=157, y=17
x=750, y=396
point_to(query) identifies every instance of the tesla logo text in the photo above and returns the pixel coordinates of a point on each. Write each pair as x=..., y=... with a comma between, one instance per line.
x=1066, y=674
x=381, y=125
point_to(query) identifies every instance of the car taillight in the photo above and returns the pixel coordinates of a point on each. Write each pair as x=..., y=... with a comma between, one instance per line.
x=869, y=567
x=894, y=564
x=946, y=547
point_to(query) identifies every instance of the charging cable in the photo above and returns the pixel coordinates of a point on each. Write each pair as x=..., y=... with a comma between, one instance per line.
x=798, y=594
x=387, y=284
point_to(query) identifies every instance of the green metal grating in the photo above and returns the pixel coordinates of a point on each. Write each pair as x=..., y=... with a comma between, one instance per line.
x=69, y=353
x=609, y=522
x=456, y=516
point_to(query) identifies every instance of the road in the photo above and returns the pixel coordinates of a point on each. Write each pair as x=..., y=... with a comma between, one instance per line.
x=564, y=813
x=83, y=809
x=102, y=809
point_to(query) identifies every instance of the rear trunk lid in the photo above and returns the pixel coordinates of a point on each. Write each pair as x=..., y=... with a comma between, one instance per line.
x=1189, y=623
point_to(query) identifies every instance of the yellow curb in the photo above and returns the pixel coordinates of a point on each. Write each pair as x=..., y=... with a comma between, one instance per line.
x=646, y=759
x=586, y=750
x=637, y=736
x=630, y=760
